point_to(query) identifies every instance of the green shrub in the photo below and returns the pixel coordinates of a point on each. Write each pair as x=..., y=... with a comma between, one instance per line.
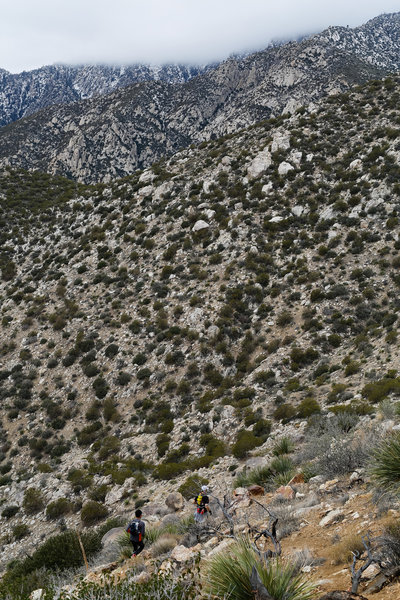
x=351, y=368
x=229, y=572
x=307, y=407
x=284, y=318
x=284, y=412
x=33, y=501
x=191, y=486
x=245, y=441
x=58, y=552
x=92, y=512
x=100, y=387
x=379, y=390
x=162, y=443
x=111, y=351
x=262, y=429
x=99, y=492
x=9, y=511
x=110, y=412
x=143, y=374
x=79, y=479
x=257, y=476
x=59, y=508
x=169, y=471
x=20, y=530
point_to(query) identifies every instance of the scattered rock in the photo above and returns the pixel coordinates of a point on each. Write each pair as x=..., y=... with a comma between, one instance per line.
x=382, y=580
x=256, y=490
x=333, y=516
x=356, y=164
x=175, y=501
x=284, y=168
x=285, y=491
x=371, y=571
x=240, y=491
x=259, y=165
x=329, y=486
x=182, y=554
x=297, y=479
x=199, y=225
x=280, y=141
x=355, y=477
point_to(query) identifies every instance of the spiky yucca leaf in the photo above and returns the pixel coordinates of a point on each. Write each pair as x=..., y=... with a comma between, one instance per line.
x=385, y=467
x=229, y=572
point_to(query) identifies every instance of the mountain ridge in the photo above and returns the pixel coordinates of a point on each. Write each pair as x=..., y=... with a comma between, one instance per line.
x=113, y=135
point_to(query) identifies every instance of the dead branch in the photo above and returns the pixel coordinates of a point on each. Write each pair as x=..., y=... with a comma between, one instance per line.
x=368, y=560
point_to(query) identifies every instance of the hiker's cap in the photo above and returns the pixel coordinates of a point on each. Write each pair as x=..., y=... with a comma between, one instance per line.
x=204, y=488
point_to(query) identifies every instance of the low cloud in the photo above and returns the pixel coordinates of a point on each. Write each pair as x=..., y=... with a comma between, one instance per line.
x=161, y=31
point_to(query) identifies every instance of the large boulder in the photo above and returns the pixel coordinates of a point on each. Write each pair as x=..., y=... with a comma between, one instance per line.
x=175, y=501
x=280, y=141
x=200, y=225
x=284, y=168
x=182, y=554
x=259, y=165
x=112, y=535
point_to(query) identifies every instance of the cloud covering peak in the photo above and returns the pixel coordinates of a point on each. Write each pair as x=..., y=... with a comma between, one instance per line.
x=162, y=31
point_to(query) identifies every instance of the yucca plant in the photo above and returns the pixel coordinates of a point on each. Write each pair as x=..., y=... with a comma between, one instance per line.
x=283, y=469
x=385, y=466
x=258, y=476
x=228, y=575
x=283, y=446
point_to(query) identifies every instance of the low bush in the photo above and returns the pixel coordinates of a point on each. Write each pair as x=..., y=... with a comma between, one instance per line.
x=92, y=512
x=379, y=390
x=33, y=501
x=191, y=486
x=20, y=530
x=9, y=511
x=307, y=407
x=58, y=552
x=245, y=441
x=164, y=544
x=342, y=551
x=59, y=508
x=284, y=412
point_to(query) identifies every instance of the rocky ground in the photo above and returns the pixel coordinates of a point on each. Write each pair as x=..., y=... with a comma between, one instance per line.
x=185, y=319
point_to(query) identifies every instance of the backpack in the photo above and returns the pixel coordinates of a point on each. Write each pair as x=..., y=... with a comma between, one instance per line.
x=200, y=505
x=134, y=530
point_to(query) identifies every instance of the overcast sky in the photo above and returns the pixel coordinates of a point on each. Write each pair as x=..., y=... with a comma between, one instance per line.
x=40, y=32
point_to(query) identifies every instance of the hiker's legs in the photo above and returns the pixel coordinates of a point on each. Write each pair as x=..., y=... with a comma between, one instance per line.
x=140, y=546
x=137, y=547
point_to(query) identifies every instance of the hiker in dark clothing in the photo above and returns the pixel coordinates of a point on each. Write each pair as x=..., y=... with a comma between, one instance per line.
x=136, y=530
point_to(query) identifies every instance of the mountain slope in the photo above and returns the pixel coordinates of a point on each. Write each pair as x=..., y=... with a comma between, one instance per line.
x=114, y=135
x=25, y=93
x=168, y=322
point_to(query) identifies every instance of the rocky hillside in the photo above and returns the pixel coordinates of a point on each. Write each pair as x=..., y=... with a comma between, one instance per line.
x=111, y=136
x=22, y=94
x=183, y=319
